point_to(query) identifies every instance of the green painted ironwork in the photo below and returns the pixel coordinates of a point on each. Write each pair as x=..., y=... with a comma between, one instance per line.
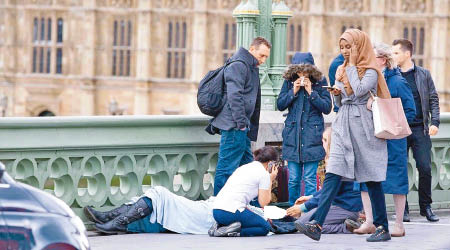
x=268, y=19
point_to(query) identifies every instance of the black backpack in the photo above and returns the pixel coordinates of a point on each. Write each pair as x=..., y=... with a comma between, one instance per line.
x=211, y=95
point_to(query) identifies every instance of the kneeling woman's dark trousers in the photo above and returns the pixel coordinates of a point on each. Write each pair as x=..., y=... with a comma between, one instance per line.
x=330, y=188
x=251, y=223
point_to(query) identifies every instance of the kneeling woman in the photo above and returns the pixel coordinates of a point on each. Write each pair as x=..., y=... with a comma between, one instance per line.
x=246, y=183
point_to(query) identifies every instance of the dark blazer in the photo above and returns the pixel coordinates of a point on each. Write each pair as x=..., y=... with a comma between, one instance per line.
x=243, y=103
x=304, y=125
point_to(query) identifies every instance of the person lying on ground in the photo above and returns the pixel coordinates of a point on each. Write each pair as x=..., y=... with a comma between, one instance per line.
x=344, y=211
x=157, y=211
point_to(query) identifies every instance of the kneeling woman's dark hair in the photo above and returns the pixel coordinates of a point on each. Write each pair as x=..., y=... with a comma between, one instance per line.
x=266, y=154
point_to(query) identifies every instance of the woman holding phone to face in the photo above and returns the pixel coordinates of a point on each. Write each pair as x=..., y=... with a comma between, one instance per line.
x=306, y=99
x=355, y=153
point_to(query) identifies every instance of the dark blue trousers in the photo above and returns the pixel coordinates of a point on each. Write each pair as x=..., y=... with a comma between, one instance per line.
x=420, y=143
x=330, y=188
x=251, y=223
x=234, y=151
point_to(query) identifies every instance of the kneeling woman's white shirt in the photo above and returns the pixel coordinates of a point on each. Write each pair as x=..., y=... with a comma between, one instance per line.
x=242, y=187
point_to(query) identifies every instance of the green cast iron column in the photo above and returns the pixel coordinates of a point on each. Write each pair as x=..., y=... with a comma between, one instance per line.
x=280, y=16
x=268, y=19
x=246, y=14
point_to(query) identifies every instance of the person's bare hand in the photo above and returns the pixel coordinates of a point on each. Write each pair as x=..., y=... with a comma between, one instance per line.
x=353, y=55
x=297, y=85
x=294, y=211
x=433, y=130
x=307, y=84
x=274, y=173
x=335, y=91
x=302, y=200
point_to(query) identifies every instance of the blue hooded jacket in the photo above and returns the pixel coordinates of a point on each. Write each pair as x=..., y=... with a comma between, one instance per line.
x=332, y=73
x=304, y=125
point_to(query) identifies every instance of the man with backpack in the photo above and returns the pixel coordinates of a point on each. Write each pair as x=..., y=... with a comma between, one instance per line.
x=238, y=121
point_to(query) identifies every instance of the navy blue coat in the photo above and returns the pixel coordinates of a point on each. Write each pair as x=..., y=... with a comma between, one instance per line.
x=332, y=73
x=397, y=171
x=304, y=125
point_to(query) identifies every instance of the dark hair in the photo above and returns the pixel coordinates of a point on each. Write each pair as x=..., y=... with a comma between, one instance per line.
x=266, y=154
x=406, y=45
x=314, y=74
x=260, y=40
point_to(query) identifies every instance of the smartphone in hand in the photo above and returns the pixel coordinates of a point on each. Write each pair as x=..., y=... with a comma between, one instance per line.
x=329, y=88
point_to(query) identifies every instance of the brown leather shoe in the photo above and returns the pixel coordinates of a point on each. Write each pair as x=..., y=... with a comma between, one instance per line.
x=365, y=229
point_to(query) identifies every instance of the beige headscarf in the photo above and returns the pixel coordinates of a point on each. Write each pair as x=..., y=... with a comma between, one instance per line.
x=366, y=60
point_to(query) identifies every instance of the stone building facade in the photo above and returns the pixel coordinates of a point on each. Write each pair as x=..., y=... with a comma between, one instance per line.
x=100, y=57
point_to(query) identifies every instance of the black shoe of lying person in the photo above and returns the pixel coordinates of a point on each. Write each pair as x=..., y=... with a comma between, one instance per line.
x=232, y=230
x=380, y=235
x=311, y=229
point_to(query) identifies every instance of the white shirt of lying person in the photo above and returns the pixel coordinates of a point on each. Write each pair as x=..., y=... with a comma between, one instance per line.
x=242, y=187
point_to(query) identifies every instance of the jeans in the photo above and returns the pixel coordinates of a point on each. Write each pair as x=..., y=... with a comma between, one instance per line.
x=295, y=177
x=251, y=223
x=420, y=144
x=330, y=188
x=234, y=151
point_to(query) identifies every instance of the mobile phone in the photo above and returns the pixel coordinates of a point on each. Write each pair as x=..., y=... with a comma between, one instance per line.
x=329, y=88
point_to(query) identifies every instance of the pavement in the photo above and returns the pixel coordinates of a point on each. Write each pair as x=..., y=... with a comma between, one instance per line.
x=420, y=234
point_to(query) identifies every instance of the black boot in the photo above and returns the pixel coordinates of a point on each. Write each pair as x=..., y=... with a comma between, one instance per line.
x=427, y=212
x=119, y=224
x=103, y=217
x=311, y=229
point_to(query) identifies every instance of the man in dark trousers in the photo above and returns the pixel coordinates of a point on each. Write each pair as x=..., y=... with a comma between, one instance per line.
x=427, y=102
x=238, y=121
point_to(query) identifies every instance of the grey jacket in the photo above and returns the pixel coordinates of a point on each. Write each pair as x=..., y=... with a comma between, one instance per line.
x=428, y=96
x=243, y=104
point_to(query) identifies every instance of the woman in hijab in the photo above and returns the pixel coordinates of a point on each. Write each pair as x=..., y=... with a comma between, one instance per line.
x=355, y=153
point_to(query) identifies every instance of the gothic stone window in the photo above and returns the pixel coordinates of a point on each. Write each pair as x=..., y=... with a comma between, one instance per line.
x=416, y=34
x=176, y=48
x=121, y=54
x=229, y=40
x=294, y=40
x=46, y=44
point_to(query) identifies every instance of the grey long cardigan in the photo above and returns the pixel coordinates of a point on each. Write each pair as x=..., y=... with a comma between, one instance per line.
x=355, y=152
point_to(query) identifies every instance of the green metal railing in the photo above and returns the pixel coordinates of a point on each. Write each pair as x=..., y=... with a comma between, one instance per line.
x=105, y=161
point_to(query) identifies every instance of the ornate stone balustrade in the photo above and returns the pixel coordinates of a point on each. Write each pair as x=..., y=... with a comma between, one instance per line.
x=104, y=161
